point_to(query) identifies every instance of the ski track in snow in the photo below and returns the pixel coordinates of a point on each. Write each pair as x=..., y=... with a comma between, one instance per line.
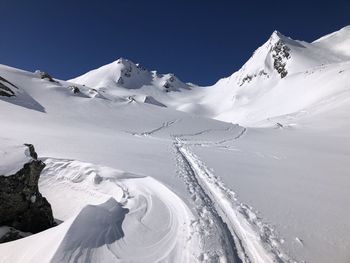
x=164, y=125
x=220, y=211
x=217, y=144
x=217, y=243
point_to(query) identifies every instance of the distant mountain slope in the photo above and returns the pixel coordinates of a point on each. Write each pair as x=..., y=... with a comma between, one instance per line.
x=338, y=42
x=123, y=73
x=283, y=76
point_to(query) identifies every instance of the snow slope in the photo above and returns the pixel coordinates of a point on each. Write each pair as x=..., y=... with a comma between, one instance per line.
x=337, y=42
x=132, y=179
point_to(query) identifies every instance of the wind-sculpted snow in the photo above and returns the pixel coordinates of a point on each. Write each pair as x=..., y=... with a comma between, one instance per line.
x=96, y=226
x=129, y=218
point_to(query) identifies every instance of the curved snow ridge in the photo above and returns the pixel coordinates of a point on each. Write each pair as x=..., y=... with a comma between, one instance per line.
x=255, y=241
x=110, y=216
x=96, y=227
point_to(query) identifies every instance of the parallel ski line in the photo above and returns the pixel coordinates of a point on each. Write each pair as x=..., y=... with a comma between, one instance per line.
x=229, y=243
x=235, y=215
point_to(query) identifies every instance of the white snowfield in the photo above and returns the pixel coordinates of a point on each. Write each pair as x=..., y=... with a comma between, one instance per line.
x=141, y=167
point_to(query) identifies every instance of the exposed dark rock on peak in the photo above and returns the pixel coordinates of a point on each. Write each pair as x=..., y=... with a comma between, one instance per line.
x=6, y=88
x=21, y=204
x=280, y=54
x=45, y=75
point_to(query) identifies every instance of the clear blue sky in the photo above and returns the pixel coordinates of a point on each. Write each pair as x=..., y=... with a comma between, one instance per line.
x=199, y=41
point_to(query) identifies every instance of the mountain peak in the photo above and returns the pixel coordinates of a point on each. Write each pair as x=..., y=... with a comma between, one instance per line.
x=125, y=62
x=123, y=73
x=278, y=36
x=277, y=33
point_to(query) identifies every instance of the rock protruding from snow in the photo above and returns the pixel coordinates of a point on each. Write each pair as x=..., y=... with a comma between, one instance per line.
x=269, y=59
x=21, y=204
x=8, y=234
x=7, y=89
x=153, y=101
x=280, y=55
x=45, y=75
x=74, y=89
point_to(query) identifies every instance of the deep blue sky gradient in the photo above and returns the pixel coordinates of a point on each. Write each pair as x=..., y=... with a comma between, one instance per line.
x=199, y=41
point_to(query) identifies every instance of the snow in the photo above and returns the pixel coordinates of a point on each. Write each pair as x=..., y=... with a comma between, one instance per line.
x=338, y=42
x=13, y=157
x=140, y=172
x=109, y=216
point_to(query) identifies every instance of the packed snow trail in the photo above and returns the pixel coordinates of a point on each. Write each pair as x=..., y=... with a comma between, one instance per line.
x=254, y=241
x=217, y=242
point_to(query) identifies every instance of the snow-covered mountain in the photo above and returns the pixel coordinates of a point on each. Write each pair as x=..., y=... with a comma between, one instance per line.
x=283, y=76
x=126, y=74
x=141, y=167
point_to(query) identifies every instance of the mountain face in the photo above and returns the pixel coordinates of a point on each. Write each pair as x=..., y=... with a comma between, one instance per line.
x=281, y=56
x=141, y=167
x=124, y=73
x=249, y=95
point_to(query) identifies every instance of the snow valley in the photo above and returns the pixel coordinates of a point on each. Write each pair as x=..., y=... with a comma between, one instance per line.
x=138, y=166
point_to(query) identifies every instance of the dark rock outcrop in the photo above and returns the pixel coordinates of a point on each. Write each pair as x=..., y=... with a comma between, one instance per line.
x=12, y=234
x=280, y=54
x=5, y=89
x=21, y=204
x=74, y=89
x=45, y=75
x=153, y=101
